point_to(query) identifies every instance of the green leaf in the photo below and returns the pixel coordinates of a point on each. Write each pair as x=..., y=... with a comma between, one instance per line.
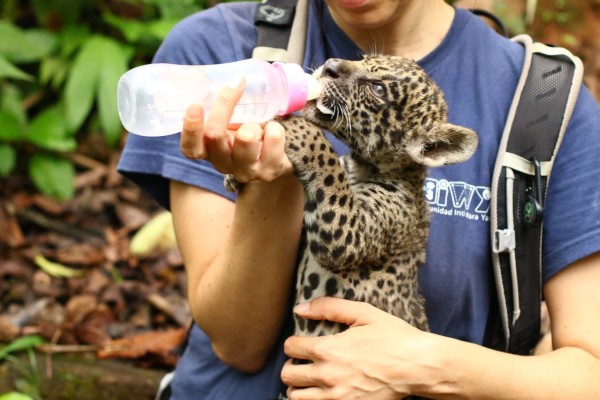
x=71, y=38
x=53, y=71
x=10, y=126
x=132, y=29
x=8, y=159
x=20, y=344
x=52, y=175
x=115, y=62
x=25, y=46
x=11, y=101
x=161, y=27
x=49, y=130
x=94, y=75
x=8, y=70
x=15, y=396
x=80, y=88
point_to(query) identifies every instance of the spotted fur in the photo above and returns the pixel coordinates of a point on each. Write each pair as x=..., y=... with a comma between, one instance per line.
x=366, y=221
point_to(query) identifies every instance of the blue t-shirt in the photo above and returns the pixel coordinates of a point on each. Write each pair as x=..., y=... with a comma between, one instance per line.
x=478, y=71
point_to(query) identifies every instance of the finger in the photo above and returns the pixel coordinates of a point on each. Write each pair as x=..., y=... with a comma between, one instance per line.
x=311, y=393
x=215, y=127
x=223, y=106
x=303, y=348
x=273, y=151
x=352, y=313
x=298, y=375
x=247, y=144
x=191, y=142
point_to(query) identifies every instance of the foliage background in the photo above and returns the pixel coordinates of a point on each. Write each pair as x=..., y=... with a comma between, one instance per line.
x=60, y=61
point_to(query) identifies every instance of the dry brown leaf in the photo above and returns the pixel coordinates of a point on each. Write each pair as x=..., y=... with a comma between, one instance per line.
x=93, y=329
x=8, y=330
x=80, y=254
x=160, y=343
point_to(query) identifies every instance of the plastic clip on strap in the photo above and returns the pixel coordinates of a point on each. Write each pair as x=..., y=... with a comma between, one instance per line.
x=541, y=109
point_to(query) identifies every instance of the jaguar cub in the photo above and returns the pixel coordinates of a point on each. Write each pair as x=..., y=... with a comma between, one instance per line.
x=366, y=220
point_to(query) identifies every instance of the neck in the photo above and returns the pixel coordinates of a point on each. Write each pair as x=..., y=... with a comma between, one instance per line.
x=410, y=28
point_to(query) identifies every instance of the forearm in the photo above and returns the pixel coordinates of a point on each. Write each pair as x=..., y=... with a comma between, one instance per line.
x=242, y=299
x=467, y=371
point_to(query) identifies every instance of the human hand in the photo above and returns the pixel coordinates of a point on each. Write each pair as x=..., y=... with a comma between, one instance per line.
x=248, y=151
x=378, y=357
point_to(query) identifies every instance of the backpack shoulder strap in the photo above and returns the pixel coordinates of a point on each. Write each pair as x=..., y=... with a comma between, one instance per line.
x=542, y=106
x=281, y=30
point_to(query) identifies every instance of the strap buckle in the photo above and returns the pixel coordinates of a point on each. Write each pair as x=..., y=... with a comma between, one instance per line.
x=504, y=241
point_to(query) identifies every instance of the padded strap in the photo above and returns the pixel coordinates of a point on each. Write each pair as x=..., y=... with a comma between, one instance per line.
x=542, y=106
x=281, y=30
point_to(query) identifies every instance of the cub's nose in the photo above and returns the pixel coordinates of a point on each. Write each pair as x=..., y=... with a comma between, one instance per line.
x=333, y=68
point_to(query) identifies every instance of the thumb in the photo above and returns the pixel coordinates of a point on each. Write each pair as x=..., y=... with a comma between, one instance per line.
x=351, y=313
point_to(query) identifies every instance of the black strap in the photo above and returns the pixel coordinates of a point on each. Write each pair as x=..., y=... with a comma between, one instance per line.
x=273, y=20
x=539, y=115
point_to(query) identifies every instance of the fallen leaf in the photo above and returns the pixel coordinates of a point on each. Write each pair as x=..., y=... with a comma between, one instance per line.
x=56, y=269
x=8, y=330
x=160, y=343
x=156, y=234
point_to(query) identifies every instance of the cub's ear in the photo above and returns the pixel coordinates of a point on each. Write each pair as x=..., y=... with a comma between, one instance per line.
x=443, y=144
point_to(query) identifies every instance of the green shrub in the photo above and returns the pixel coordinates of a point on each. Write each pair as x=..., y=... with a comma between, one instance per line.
x=60, y=61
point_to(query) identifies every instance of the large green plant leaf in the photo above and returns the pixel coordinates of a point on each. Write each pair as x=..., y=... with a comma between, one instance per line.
x=49, y=130
x=135, y=31
x=21, y=46
x=80, y=88
x=132, y=29
x=8, y=70
x=72, y=37
x=8, y=159
x=115, y=63
x=53, y=175
x=94, y=75
x=53, y=71
x=11, y=99
x=10, y=127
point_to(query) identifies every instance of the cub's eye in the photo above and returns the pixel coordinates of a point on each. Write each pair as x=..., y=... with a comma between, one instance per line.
x=377, y=88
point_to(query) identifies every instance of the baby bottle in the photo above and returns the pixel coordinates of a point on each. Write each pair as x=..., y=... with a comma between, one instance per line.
x=152, y=98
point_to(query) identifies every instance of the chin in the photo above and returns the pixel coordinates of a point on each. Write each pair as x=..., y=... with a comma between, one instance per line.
x=364, y=14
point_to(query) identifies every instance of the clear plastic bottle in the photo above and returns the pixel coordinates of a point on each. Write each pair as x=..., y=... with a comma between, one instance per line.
x=152, y=98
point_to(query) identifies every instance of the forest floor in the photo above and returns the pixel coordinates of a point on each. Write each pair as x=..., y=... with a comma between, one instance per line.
x=68, y=274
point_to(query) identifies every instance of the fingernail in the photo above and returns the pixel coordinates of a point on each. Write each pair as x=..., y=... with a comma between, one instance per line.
x=235, y=82
x=194, y=112
x=301, y=308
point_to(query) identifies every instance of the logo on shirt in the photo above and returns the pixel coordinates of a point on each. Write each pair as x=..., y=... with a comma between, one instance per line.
x=459, y=199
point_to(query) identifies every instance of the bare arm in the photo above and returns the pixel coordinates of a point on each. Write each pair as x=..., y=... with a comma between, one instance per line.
x=402, y=360
x=240, y=257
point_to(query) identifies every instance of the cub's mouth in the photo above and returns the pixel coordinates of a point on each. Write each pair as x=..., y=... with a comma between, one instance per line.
x=323, y=109
x=326, y=107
